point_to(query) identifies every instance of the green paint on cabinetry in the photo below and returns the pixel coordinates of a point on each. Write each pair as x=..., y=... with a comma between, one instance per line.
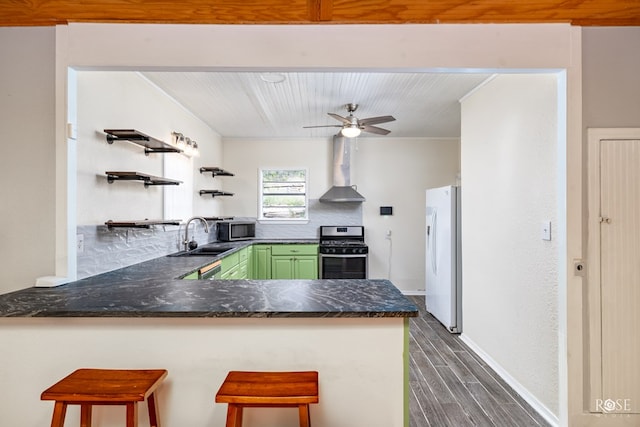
x=294, y=262
x=191, y=276
x=261, y=262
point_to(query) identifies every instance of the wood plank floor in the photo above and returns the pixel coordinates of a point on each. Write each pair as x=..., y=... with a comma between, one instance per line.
x=451, y=386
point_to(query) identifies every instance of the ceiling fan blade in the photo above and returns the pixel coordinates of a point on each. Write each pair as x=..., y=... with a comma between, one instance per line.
x=376, y=120
x=322, y=126
x=340, y=118
x=375, y=129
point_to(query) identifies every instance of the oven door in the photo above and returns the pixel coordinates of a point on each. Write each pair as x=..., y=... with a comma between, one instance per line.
x=334, y=266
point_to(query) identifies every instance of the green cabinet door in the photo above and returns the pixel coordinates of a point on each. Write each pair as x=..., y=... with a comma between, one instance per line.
x=306, y=267
x=282, y=267
x=230, y=266
x=262, y=262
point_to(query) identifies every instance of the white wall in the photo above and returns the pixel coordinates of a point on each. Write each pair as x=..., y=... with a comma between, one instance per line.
x=509, y=187
x=396, y=172
x=244, y=158
x=125, y=100
x=27, y=164
x=611, y=87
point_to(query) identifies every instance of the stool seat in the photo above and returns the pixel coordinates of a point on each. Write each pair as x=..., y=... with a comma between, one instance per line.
x=242, y=389
x=87, y=387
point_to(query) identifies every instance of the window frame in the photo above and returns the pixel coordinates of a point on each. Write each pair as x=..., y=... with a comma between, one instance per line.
x=261, y=217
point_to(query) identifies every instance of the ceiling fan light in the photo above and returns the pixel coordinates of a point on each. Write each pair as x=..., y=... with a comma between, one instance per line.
x=350, y=131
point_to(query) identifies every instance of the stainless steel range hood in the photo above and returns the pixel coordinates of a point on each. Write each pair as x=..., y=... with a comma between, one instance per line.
x=342, y=191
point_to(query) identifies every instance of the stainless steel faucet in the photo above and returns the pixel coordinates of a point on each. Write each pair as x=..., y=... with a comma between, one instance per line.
x=186, y=241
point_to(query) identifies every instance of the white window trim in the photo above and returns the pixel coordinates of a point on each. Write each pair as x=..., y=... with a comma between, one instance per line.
x=280, y=220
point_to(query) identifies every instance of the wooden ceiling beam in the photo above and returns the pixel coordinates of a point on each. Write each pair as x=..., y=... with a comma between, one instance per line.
x=320, y=10
x=576, y=12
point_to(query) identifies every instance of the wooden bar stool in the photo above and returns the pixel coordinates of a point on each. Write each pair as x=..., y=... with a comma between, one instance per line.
x=268, y=390
x=88, y=387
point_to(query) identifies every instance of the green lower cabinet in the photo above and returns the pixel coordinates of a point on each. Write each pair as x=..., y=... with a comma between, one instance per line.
x=299, y=267
x=306, y=267
x=294, y=262
x=282, y=267
x=261, y=262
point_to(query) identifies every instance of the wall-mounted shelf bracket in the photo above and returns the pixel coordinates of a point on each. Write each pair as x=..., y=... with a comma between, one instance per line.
x=145, y=223
x=150, y=144
x=215, y=171
x=147, y=180
x=215, y=193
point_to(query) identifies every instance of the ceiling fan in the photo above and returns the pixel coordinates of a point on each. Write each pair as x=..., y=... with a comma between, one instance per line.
x=352, y=126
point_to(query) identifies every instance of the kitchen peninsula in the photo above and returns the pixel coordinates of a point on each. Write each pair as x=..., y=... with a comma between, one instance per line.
x=354, y=332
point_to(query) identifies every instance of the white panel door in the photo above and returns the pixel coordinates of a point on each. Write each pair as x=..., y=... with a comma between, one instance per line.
x=620, y=276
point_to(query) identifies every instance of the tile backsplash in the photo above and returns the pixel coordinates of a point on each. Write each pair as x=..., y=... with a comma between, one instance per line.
x=110, y=249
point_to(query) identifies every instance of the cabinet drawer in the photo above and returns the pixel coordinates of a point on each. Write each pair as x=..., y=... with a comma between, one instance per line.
x=230, y=261
x=277, y=250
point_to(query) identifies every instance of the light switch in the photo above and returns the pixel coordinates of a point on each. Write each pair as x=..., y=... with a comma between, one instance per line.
x=546, y=230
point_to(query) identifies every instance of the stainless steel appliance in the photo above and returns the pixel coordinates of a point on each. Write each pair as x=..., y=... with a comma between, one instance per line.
x=236, y=230
x=343, y=252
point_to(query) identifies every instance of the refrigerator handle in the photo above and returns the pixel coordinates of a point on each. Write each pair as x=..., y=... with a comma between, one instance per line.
x=431, y=241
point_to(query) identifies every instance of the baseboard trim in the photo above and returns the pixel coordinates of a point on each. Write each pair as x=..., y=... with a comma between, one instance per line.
x=418, y=293
x=538, y=406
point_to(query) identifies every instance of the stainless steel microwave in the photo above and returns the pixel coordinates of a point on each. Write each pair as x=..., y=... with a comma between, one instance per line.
x=236, y=230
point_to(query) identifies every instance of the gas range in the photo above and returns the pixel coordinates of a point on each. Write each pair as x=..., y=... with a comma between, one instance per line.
x=346, y=240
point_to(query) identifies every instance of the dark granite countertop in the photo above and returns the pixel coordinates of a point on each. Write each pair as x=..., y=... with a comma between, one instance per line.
x=154, y=289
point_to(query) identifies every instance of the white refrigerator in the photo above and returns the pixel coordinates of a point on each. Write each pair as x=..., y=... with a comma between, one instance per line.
x=443, y=287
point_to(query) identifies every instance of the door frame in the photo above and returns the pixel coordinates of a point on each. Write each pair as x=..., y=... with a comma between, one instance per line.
x=593, y=383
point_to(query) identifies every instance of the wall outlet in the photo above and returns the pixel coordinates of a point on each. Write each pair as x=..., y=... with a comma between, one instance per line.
x=80, y=243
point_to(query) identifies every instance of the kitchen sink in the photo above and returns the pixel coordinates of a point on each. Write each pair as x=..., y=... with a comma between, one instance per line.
x=203, y=251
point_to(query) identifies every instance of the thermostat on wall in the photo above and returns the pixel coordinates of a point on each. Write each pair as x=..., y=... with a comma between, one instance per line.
x=386, y=210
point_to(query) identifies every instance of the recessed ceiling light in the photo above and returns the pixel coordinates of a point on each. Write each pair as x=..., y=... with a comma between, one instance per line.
x=272, y=77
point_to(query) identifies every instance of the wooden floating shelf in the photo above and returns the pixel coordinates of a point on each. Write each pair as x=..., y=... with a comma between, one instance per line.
x=215, y=171
x=145, y=223
x=150, y=144
x=147, y=180
x=215, y=193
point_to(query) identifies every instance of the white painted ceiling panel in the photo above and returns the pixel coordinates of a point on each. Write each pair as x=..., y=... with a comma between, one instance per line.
x=248, y=105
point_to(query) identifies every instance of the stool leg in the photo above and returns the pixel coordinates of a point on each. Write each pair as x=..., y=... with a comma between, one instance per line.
x=239, y=410
x=154, y=418
x=59, y=411
x=132, y=414
x=234, y=416
x=85, y=415
x=305, y=416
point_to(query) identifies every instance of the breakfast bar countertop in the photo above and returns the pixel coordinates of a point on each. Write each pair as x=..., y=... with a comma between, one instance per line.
x=155, y=289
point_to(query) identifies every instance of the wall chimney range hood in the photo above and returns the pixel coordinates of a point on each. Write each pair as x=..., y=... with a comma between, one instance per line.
x=342, y=191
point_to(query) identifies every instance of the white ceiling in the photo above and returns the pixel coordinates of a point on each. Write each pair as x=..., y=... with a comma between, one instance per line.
x=248, y=105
